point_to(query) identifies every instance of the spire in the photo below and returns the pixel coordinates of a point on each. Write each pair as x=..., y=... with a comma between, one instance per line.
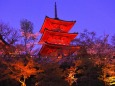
x=56, y=11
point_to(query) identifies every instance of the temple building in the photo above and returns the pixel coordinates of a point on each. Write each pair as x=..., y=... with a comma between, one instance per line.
x=56, y=38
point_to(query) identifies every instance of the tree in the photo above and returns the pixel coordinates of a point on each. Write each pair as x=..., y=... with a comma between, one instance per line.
x=87, y=73
x=108, y=72
x=71, y=76
x=13, y=65
x=29, y=37
x=85, y=40
x=92, y=46
x=21, y=68
x=113, y=40
x=8, y=38
x=53, y=75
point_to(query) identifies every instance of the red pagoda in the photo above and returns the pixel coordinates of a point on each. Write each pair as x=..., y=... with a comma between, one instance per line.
x=55, y=38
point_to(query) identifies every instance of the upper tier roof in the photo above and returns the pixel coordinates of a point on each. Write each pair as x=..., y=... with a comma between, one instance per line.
x=56, y=25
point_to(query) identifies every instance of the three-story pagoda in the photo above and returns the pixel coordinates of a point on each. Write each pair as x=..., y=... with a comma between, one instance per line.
x=55, y=38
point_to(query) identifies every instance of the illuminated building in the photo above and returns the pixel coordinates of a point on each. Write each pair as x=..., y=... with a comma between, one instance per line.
x=55, y=38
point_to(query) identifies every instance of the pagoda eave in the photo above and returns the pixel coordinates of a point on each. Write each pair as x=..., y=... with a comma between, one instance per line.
x=53, y=50
x=54, y=24
x=57, y=37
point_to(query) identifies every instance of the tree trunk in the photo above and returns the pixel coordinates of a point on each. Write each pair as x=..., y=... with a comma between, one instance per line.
x=22, y=82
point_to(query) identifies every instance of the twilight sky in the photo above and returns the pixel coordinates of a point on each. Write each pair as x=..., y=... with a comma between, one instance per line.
x=94, y=15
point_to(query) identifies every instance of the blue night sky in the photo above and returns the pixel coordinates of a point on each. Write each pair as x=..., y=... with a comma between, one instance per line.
x=93, y=15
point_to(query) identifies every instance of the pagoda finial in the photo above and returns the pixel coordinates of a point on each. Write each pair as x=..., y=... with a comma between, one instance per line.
x=56, y=11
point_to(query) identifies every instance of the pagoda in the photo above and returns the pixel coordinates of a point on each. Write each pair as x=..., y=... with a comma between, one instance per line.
x=55, y=38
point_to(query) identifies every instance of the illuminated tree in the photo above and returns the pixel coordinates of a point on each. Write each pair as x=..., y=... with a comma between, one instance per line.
x=11, y=40
x=71, y=76
x=52, y=75
x=8, y=38
x=108, y=72
x=21, y=68
x=29, y=37
x=92, y=46
x=15, y=64
x=84, y=40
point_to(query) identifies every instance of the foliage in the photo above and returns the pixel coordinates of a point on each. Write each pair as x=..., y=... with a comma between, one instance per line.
x=108, y=72
x=87, y=73
x=16, y=65
x=20, y=68
x=92, y=55
x=29, y=38
x=53, y=75
x=113, y=39
x=92, y=66
x=8, y=38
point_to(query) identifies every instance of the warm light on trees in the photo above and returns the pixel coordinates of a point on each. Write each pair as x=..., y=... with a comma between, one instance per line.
x=92, y=65
x=21, y=68
x=52, y=75
x=71, y=76
x=108, y=73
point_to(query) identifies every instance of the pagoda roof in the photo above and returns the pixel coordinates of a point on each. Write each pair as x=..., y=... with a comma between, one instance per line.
x=61, y=38
x=54, y=50
x=55, y=24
